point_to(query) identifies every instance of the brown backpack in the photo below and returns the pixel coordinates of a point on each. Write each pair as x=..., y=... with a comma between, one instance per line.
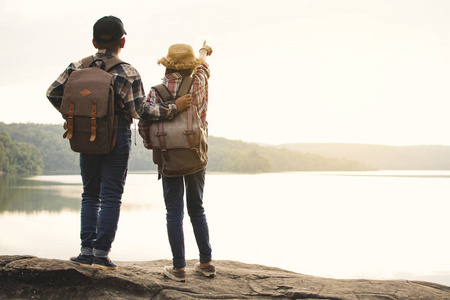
x=179, y=145
x=88, y=107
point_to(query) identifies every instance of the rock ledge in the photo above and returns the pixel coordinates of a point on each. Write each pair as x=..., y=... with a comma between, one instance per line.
x=29, y=277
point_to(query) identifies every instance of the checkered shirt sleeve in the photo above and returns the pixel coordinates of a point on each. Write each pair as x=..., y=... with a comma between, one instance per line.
x=128, y=84
x=200, y=91
x=153, y=109
x=56, y=90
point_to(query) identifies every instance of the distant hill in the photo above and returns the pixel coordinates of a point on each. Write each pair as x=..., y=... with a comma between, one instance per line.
x=224, y=155
x=237, y=156
x=425, y=157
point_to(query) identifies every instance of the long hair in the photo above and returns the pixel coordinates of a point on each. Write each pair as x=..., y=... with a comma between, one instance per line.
x=184, y=73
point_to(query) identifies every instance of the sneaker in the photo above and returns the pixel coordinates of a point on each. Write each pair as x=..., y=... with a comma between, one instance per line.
x=175, y=274
x=83, y=260
x=208, y=271
x=103, y=263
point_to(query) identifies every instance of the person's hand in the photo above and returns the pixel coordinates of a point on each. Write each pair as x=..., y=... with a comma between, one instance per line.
x=183, y=103
x=207, y=48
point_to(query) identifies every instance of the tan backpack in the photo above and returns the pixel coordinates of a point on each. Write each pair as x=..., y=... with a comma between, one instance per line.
x=179, y=145
x=88, y=107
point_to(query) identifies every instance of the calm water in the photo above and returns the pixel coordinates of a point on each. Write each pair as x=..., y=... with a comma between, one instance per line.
x=380, y=225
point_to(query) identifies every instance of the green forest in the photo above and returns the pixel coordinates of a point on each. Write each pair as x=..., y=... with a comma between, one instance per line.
x=20, y=158
x=39, y=148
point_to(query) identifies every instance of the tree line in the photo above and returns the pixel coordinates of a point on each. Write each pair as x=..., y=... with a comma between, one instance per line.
x=20, y=158
x=32, y=148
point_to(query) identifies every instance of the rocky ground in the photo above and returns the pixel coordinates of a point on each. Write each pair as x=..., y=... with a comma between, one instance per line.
x=28, y=277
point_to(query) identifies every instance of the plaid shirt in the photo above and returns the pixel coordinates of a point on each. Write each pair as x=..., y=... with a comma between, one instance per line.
x=172, y=81
x=127, y=84
x=199, y=92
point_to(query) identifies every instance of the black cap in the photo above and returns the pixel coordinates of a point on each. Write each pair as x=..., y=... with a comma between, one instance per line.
x=108, y=29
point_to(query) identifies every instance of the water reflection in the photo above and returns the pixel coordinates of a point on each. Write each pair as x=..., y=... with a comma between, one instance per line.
x=21, y=194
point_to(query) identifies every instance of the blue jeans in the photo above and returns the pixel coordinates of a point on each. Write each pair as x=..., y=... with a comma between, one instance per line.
x=103, y=178
x=173, y=188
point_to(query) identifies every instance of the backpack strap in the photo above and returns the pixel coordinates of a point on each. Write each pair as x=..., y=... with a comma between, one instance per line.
x=87, y=61
x=163, y=92
x=93, y=121
x=107, y=64
x=70, y=121
x=165, y=96
x=183, y=89
x=185, y=86
x=112, y=62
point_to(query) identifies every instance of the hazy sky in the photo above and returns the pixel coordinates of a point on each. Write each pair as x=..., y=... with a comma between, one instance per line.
x=360, y=71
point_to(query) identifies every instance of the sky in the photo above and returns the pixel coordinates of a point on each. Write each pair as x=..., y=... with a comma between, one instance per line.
x=286, y=71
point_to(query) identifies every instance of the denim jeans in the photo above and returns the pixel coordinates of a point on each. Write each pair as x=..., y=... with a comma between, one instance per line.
x=103, y=178
x=173, y=188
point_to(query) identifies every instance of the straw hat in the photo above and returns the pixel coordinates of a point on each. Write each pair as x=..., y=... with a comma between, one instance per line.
x=180, y=57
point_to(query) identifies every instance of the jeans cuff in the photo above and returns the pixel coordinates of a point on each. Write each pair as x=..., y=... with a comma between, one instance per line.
x=205, y=258
x=86, y=251
x=101, y=253
x=179, y=263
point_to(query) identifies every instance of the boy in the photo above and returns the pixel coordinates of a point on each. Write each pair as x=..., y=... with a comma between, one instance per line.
x=104, y=175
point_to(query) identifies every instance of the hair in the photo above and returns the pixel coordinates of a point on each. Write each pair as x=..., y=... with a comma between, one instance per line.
x=113, y=45
x=184, y=73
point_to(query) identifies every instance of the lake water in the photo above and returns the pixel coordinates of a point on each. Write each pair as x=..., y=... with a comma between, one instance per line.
x=373, y=225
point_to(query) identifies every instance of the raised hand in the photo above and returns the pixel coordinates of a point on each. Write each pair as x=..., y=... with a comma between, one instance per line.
x=207, y=48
